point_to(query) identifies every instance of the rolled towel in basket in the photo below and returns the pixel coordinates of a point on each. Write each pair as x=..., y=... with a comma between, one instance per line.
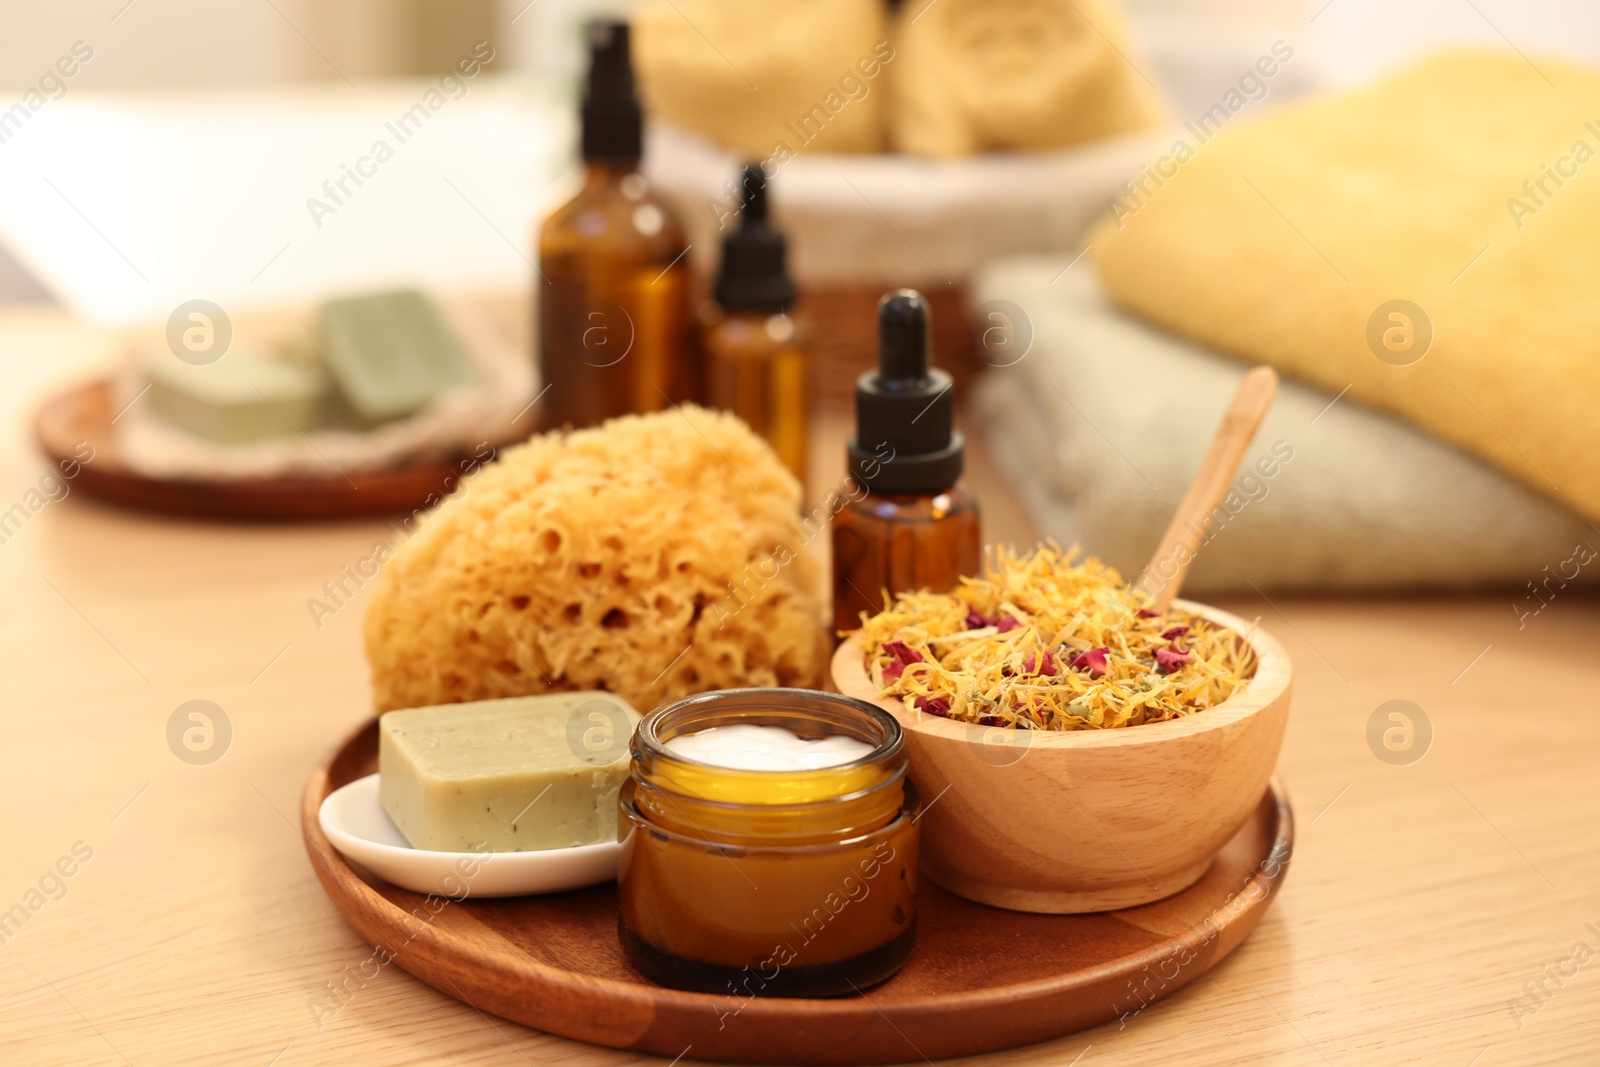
x=767, y=80
x=1015, y=75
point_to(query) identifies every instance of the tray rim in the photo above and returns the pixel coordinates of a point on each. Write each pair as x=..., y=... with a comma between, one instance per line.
x=349, y=892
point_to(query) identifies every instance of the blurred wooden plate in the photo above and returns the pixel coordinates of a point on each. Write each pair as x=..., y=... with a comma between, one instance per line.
x=83, y=413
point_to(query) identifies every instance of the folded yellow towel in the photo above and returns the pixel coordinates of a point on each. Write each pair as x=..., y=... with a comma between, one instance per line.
x=1467, y=185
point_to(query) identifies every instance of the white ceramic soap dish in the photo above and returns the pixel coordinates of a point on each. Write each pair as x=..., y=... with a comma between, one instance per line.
x=357, y=825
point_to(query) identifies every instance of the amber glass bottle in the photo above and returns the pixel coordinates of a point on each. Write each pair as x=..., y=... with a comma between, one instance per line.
x=612, y=287
x=906, y=523
x=754, y=359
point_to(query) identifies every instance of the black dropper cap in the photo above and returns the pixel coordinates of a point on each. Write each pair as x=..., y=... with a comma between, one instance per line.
x=904, y=444
x=753, y=277
x=612, y=122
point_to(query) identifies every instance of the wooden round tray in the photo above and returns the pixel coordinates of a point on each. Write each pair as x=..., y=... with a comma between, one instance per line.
x=84, y=413
x=979, y=979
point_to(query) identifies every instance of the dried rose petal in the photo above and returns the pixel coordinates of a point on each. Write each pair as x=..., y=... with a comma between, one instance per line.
x=936, y=706
x=1006, y=624
x=1176, y=631
x=1170, y=659
x=900, y=656
x=1046, y=664
x=977, y=621
x=1146, y=613
x=1093, y=661
x=990, y=720
x=902, y=651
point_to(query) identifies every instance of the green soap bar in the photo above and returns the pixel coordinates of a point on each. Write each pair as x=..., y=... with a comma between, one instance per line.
x=390, y=354
x=244, y=396
x=514, y=775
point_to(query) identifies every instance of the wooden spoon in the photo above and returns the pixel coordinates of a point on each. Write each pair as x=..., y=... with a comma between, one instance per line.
x=1163, y=575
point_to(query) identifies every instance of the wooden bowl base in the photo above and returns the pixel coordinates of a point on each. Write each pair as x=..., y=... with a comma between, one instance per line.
x=1067, y=903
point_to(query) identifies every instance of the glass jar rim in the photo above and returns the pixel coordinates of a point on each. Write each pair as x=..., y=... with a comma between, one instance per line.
x=898, y=778
x=646, y=735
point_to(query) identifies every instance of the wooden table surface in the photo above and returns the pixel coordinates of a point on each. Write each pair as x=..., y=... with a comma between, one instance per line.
x=1435, y=912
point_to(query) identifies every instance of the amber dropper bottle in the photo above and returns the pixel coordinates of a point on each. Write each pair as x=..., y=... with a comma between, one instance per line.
x=612, y=287
x=754, y=365
x=906, y=523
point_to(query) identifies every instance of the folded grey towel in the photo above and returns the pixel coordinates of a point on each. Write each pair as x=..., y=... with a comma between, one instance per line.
x=1102, y=424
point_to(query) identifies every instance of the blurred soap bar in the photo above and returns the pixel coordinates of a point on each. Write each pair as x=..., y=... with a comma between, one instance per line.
x=513, y=775
x=389, y=354
x=244, y=396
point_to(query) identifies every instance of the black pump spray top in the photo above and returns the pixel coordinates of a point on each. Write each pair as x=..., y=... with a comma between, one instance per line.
x=612, y=121
x=904, y=444
x=753, y=276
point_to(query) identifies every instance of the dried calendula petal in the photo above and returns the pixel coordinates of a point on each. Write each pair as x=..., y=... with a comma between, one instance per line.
x=1044, y=642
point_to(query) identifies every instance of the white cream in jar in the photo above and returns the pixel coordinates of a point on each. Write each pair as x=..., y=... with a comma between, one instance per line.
x=747, y=747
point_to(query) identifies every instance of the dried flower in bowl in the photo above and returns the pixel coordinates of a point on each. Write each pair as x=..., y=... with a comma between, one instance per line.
x=1042, y=642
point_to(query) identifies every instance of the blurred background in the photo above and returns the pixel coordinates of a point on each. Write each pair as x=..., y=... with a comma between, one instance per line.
x=198, y=129
x=195, y=149
x=1113, y=207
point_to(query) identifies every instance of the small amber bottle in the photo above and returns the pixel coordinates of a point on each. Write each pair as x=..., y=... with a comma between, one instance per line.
x=754, y=361
x=906, y=524
x=612, y=292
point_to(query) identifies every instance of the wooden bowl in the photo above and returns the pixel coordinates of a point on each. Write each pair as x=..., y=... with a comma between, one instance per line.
x=1086, y=821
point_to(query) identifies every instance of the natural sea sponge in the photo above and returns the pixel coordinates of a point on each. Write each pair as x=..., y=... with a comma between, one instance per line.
x=652, y=557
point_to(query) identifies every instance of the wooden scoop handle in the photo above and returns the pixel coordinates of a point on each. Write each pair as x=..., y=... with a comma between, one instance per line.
x=1164, y=574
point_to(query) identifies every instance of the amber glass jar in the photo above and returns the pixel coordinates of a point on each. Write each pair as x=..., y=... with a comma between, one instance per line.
x=768, y=883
